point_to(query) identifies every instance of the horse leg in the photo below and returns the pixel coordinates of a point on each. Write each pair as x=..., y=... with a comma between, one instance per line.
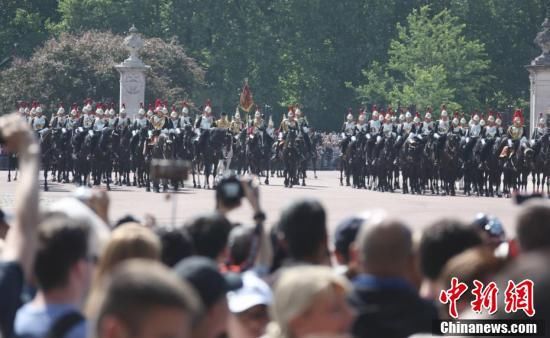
x=45, y=179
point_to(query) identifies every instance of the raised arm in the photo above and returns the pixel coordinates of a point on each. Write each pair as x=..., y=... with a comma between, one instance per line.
x=21, y=239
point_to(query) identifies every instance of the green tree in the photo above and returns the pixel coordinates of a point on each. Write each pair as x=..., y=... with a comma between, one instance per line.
x=430, y=63
x=74, y=67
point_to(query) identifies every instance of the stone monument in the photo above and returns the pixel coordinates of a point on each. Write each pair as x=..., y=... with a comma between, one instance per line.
x=132, y=75
x=539, y=74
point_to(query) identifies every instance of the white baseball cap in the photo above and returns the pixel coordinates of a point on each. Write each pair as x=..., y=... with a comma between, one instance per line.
x=253, y=292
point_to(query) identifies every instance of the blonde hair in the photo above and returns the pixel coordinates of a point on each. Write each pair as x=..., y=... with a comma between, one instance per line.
x=128, y=241
x=297, y=290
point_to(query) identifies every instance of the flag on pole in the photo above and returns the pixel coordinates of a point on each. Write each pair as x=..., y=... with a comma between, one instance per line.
x=246, y=101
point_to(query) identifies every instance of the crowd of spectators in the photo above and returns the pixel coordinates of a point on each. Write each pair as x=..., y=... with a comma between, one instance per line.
x=68, y=271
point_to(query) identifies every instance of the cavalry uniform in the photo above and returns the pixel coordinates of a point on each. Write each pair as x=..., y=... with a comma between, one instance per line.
x=387, y=129
x=236, y=125
x=160, y=122
x=100, y=123
x=223, y=123
x=443, y=126
x=361, y=126
x=540, y=130
x=39, y=122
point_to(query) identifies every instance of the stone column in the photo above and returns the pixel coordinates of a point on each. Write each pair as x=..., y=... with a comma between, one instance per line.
x=539, y=74
x=132, y=75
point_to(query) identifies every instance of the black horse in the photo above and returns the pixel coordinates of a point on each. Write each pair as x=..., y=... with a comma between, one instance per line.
x=290, y=158
x=210, y=152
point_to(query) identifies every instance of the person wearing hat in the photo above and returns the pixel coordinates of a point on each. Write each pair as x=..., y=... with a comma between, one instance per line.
x=375, y=125
x=407, y=125
x=248, y=307
x=464, y=126
x=361, y=127
x=211, y=286
x=223, y=122
x=99, y=122
x=60, y=119
x=87, y=120
x=72, y=119
x=174, y=118
x=123, y=120
x=185, y=119
x=39, y=121
x=540, y=130
x=270, y=130
x=428, y=124
x=490, y=132
x=348, y=129
x=141, y=120
x=159, y=120
x=516, y=132
x=236, y=124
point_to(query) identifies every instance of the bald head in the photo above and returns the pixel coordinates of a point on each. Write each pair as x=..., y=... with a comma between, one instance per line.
x=385, y=248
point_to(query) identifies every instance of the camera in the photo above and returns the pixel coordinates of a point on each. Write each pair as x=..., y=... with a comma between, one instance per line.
x=170, y=169
x=229, y=190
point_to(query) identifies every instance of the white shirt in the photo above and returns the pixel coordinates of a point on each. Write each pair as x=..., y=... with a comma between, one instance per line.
x=427, y=127
x=407, y=127
x=387, y=129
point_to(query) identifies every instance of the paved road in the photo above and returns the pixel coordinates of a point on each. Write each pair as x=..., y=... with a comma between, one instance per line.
x=339, y=201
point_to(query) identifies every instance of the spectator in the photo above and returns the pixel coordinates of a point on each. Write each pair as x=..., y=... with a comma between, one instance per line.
x=478, y=263
x=248, y=308
x=4, y=225
x=144, y=299
x=533, y=226
x=209, y=234
x=310, y=301
x=528, y=266
x=240, y=244
x=19, y=248
x=176, y=245
x=211, y=286
x=302, y=229
x=387, y=302
x=344, y=237
x=65, y=260
x=127, y=241
x=439, y=243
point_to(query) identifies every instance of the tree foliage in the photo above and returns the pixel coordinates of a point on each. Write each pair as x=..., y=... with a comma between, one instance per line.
x=430, y=62
x=305, y=51
x=74, y=67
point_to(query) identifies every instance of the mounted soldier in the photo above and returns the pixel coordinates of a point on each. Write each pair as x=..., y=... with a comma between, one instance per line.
x=141, y=120
x=540, y=130
x=236, y=124
x=223, y=122
x=464, y=126
x=174, y=118
x=428, y=124
x=159, y=120
x=516, y=132
x=303, y=127
x=39, y=121
x=100, y=121
x=123, y=120
x=87, y=119
x=73, y=119
x=361, y=126
x=407, y=125
x=443, y=127
x=185, y=119
x=204, y=123
x=110, y=115
x=348, y=129
x=59, y=120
